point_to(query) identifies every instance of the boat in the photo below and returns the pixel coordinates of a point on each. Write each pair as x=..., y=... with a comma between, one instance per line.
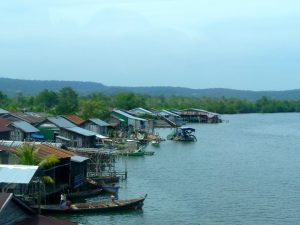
x=112, y=189
x=183, y=134
x=111, y=205
x=106, y=179
x=138, y=152
x=84, y=194
x=155, y=143
x=109, y=188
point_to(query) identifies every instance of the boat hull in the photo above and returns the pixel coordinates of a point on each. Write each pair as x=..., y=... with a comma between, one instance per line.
x=95, y=207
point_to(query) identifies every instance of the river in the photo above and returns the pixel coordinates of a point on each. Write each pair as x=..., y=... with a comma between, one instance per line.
x=243, y=171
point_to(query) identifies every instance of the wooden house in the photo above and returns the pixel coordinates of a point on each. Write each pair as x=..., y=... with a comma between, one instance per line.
x=52, y=126
x=199, y=116
x=96, y=125
x=21, y=131
x=77, y=137
x=71, y=169
x=132, y=123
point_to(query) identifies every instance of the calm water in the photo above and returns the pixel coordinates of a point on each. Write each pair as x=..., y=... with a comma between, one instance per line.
x=246, y=171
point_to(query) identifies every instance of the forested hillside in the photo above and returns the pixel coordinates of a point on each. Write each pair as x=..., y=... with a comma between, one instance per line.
x=12, y=87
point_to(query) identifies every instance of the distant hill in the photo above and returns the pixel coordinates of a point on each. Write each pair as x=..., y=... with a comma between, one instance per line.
x=32, y=87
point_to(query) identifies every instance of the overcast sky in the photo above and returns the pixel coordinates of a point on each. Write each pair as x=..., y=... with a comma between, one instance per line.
x=239, y=44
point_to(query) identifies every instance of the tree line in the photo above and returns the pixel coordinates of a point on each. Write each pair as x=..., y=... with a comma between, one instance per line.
x=67, y=101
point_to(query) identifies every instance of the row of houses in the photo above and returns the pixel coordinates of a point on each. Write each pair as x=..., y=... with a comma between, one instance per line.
x=72, y=131
x=69, y=130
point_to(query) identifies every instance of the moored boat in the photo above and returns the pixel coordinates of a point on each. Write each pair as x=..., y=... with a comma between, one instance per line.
x=93, y=207
x=112, y=189
x=183, y=134
x=84, y=194
x=155, y=143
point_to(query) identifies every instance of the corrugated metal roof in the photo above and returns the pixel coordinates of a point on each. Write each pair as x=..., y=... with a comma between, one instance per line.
x=77, y=158
x=17, y=174
x=167, y=113
x=4, y=122
x=141, y=110
x=61, y=122
x=74, y=119
x=128, y=115
x=3, y=111
x=24, y=126
x=44, y=150
x=30, y=118
x=81, y=131
x=99, y=122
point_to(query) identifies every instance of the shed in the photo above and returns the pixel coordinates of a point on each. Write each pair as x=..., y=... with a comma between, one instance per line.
x=78, y=170
x=132, y=122
x=22, y=131
x=15, y=177
x=51, y=127
x=96, y=125
x=199, y=115
x=79, y=137
x=17, y=174
x=71, y=169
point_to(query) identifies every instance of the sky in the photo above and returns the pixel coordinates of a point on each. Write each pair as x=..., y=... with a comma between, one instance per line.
x=238, y=44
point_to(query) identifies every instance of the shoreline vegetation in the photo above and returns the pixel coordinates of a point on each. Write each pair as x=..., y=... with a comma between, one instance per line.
x=68, y=101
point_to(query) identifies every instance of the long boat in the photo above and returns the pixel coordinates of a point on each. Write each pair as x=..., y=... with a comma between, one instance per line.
x=94, y=207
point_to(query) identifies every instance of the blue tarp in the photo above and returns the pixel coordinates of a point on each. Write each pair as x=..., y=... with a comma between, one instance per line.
x=37, y=136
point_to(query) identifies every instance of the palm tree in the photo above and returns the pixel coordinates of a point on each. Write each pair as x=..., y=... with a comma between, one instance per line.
x=28, y=155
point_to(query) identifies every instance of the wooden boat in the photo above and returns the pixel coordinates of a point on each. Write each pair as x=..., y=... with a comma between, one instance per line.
x=106, y=179
x=109, y=188
x=84, y=194
x=139, y=152
x=112, y=189
x=94, y=207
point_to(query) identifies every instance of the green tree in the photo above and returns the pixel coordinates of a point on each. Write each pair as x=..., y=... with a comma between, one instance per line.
x=3, y=99
x=92, y=108
x=28, y=155
x=46, y=100
x=128, y=101
x=67, y=101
